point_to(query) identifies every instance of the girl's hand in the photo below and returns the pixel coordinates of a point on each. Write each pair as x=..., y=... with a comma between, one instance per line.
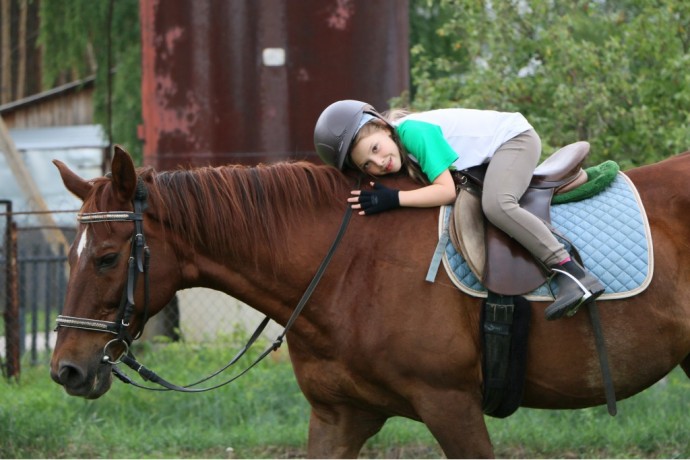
x=379, y=199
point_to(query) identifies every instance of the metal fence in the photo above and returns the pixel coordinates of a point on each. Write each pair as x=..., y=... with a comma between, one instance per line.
x=33, y=282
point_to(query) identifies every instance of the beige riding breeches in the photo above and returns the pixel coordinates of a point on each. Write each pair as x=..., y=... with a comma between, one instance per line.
x=507, y=177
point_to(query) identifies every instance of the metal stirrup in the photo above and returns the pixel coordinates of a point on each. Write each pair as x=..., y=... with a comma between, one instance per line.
x=587, y=292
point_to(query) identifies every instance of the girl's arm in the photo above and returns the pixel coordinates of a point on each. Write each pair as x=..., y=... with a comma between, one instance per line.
x=441, y=191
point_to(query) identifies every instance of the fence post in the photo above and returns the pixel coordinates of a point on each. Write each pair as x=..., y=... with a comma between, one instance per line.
x=12, y=310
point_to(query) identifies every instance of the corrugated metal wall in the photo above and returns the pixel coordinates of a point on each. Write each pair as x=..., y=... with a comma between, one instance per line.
x=243, y=81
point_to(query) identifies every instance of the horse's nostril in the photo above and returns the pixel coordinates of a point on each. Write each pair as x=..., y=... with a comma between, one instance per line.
x=69, y=375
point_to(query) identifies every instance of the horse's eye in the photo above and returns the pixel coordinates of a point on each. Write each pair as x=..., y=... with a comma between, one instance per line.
x=108, y=260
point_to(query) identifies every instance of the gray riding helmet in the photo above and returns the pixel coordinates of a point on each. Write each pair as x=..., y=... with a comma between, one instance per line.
x=336, y=128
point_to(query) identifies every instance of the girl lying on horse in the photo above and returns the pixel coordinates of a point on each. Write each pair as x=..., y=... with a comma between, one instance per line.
x=428, y=145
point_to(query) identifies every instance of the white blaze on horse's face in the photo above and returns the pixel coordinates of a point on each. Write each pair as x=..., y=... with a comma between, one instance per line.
x=82, y=242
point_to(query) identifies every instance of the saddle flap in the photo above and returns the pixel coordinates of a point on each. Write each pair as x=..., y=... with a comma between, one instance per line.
x=510, y=268
x=467, y=230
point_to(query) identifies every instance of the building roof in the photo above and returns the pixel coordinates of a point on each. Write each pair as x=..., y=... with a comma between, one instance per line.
x=79, y=147
x=46, y=95
x=59, y=137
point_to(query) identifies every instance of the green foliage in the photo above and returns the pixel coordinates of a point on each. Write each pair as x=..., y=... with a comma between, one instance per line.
x=612, y=73
x=429, y=44
x=74, y=39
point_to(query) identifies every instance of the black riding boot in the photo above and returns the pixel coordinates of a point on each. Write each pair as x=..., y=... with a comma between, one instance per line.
x=576, y=287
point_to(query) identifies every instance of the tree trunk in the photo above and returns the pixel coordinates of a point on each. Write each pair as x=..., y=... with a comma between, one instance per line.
x=21, y=48
x=6, y=52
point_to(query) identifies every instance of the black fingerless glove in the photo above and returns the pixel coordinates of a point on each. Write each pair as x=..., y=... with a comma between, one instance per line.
x=378, y=200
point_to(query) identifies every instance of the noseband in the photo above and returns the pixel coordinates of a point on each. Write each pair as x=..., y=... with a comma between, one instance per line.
x=138, y=263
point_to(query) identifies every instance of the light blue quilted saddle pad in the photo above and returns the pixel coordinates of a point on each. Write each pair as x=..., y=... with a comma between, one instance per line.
x=610, y=231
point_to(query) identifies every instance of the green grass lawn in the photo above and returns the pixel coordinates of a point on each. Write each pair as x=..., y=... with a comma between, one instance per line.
x=264, y=415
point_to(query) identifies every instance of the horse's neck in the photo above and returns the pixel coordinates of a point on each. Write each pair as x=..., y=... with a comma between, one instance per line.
x=269, y=281
x=263, y=240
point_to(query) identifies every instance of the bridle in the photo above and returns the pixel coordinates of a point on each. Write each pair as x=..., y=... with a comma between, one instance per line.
x=138, y=263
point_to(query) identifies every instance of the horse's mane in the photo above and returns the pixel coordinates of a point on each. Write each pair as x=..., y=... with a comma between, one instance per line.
x=211, y=207
x=244, y=205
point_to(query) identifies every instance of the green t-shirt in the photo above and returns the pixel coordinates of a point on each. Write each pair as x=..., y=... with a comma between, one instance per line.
x=426, y=144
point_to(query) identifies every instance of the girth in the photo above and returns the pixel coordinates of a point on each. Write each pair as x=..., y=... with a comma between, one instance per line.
x=502, y=264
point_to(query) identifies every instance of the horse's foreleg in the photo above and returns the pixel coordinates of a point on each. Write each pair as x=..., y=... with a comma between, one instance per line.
x=456, y=420
x=340, y=432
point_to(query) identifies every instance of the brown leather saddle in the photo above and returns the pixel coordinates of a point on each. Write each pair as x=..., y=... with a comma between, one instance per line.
x=499, y=262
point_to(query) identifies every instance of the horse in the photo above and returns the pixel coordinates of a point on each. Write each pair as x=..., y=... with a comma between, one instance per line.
x=375, y=339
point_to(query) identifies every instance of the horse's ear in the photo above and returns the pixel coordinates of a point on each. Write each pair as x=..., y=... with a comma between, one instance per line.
x=124, y=175
x=73, y=182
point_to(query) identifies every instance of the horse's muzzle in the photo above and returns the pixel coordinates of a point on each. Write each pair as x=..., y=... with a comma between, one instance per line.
x=80, y=381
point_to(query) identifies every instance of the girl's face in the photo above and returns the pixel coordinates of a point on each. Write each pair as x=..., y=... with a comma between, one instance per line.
x=377, y=154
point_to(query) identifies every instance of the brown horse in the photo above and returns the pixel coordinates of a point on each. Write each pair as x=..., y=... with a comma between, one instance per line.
x=375, y=340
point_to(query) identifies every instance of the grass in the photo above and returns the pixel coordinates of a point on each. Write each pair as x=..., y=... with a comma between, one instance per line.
x=264, y=415
x=652, y=424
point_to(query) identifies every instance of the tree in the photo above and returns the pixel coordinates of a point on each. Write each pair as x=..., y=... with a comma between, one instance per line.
x=612, y=73
x=81, y=38
x=5, y=52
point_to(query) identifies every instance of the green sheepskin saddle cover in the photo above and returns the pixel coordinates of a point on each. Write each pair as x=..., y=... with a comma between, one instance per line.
x=598, y=178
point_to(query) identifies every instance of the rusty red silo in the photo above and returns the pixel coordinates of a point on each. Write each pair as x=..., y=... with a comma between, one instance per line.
x=243, y=81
